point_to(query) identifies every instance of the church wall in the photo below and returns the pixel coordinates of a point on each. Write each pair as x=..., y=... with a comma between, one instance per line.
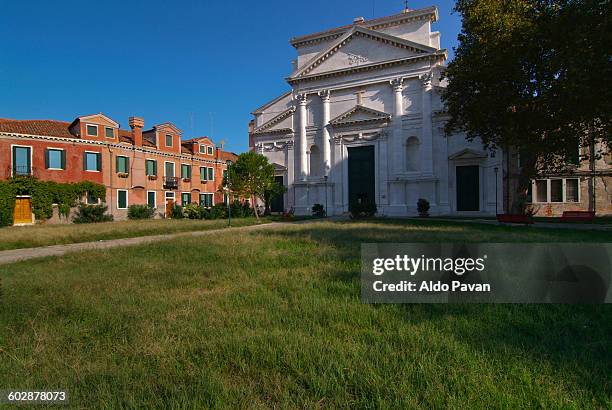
x=417, y=31
x=307, y=52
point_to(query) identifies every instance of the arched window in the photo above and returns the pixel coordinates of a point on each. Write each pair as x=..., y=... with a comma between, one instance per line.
x=315, y=161
x=413, y=160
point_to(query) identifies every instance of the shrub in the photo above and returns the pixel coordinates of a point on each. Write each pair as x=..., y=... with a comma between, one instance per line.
x=218, y=211
x=91, y=214
x=193, y=211
x=318, y=210
x=177, y=212
x=423, y=207
x=140, y=212
x=362, y=209
x=241, y=210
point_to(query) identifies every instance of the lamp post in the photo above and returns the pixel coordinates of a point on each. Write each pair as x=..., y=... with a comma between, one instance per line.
x=495, y=170
x=325, y=178
x=229, y=206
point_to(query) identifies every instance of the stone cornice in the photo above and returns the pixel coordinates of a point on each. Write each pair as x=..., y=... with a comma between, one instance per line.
x=430, y=13
x=440, y=54
x=267, y=125
x=344, y=119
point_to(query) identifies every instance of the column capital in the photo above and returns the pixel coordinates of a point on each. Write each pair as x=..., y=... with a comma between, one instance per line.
x=324, y=94
x=302, y=98
x=426, y=79
x=397, y=84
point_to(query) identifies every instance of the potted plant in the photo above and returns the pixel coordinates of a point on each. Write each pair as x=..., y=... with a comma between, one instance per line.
x=423, y=207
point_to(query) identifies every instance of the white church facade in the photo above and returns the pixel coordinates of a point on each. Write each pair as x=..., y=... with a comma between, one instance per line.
x=364, y=121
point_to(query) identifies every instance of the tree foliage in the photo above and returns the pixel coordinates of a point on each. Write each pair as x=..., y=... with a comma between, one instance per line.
x=251, y=176
x=532, y=75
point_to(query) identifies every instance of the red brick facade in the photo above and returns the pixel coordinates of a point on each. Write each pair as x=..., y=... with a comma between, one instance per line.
x=137, y=166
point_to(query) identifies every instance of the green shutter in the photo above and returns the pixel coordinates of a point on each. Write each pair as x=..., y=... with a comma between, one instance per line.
x=85, y=161
x=47, y=159
x=99, y=161
x=63, y=159
x=155, y=167
x=211, y=174
x=189, y=171
x=117, y=164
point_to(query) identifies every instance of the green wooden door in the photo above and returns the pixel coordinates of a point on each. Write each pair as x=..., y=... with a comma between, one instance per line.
x=278, y=202
x=361, y=180
x=468, y=188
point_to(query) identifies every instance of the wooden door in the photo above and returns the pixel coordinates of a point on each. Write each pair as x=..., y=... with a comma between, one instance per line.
x=23, y=211
x=169, y=207
x=361, y=175
x=468, y=188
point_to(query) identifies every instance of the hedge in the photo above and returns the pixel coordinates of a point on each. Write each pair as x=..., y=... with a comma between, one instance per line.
x=44, y=194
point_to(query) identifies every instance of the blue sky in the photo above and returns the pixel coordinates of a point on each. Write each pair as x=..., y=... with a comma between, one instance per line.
x=202, y=65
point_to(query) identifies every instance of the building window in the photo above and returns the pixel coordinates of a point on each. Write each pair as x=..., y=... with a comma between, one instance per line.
x=556, y=190
x=123, y=164
x=169, y=168
x=211, y=174
x=55, y=158
x=151, y=199
x=572, y=188
x=92, y=161
x=185, y=171
x=210, y=150
x=108, y=131
x=151, y=167
x=92, y=199
x=168, y=140
x=169, y=195
x=412, y=154
x=22, y=161
x=202, y=149
x=203, y=174
x=122, y=199
x=315, y=161
x=92, y=130
x=185, y=198
x=207, y=200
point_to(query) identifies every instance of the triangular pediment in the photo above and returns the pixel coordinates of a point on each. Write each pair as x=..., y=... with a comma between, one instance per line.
x=100, y=119
x=358, y=115
x=361, y=46
x=283, y=122
x=168, y=127
x=468, y=153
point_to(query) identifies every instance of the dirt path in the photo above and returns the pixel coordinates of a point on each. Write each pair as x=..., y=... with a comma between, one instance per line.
x=15, y=255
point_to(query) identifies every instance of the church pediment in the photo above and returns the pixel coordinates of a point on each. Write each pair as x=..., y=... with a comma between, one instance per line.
x=282, y=123
x=360, y=115
x=361, y=46
x=468, y=154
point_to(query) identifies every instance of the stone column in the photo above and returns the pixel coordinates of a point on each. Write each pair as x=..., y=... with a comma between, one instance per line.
x=427, y=134
x=301, y=143
x=325, y=131
x=398, y=111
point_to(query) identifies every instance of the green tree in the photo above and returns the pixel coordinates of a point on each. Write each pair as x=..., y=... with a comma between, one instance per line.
x=251, y=176
x=528, y=77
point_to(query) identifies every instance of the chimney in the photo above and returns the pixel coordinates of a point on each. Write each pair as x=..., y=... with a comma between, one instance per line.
x=137, y=124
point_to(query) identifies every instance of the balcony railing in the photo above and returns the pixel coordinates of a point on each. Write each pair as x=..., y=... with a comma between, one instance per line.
x=171, y=182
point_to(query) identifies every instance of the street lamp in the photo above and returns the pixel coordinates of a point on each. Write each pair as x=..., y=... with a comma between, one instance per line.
x=229, y=206
x=325, y=178
x=495, y=170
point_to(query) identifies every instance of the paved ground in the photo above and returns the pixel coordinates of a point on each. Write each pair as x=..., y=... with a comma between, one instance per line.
x=556, y=225
x=15, y=255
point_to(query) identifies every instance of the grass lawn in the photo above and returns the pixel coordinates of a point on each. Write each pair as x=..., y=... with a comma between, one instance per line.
x=273, y=318
x=16, y=237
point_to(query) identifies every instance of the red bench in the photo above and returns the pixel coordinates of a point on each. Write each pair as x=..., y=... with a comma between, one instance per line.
x=514, y=219
x=577, y=216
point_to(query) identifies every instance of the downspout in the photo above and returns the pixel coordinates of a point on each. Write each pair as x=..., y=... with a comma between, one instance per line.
x=110, y=179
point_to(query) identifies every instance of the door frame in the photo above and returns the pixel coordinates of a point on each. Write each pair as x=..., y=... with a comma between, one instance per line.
x=345, y=176
x=481, y=185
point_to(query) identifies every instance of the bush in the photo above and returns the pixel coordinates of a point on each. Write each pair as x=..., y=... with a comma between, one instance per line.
x=177, y=212
x=218, y=211
x=318, y=210
x=241, y=210
x=360, y=210
x=91, y=214
x=140, y=212
x=423, y=207
x=193, y=211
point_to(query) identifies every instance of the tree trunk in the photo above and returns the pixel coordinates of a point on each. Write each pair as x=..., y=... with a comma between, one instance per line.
x=254, y=207
x=521, y=186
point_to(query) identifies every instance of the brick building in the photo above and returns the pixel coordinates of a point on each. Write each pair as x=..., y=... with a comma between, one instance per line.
x=138, y=166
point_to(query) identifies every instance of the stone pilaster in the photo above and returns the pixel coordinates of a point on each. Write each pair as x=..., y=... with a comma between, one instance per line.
x=396, y=125
x=427, y=134
x=325, y=135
